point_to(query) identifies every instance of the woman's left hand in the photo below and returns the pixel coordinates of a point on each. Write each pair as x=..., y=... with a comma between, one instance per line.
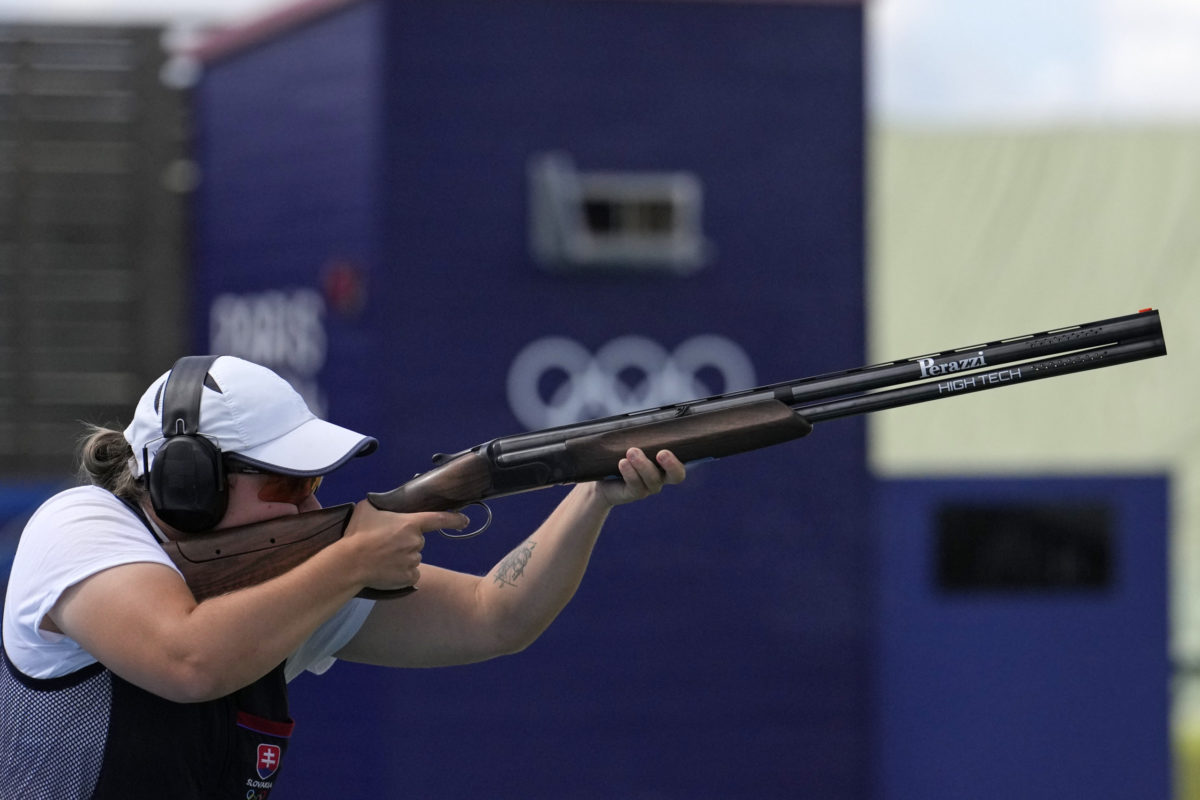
x=642, y=477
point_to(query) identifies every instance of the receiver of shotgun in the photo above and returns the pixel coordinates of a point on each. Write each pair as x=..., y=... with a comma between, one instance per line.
x=705, y=428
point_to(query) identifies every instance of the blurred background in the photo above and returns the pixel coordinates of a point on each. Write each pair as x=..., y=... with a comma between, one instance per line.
x=437, y=218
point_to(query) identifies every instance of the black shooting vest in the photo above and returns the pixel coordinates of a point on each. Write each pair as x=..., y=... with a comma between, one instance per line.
x=91, y=735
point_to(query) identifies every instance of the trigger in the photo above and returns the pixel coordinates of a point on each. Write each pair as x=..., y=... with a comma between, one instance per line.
x=469, y=534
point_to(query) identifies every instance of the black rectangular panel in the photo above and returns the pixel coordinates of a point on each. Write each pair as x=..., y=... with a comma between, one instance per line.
x=1022, y=546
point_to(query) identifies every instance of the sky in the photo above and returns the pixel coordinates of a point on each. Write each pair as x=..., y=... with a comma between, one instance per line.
x=931, y=61
x=1035, y=60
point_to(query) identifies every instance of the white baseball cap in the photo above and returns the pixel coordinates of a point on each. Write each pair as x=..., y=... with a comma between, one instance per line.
x=251, y=413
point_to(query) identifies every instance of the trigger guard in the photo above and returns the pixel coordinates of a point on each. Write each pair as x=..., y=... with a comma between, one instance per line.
x=470, y=534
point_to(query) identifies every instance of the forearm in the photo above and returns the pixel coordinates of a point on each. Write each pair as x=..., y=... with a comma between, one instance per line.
x=247, y=633
x=456, y=618
x=528, y=588
x=141, y=621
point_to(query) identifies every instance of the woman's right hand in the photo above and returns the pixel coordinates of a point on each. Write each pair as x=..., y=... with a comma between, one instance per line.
x=389, y=544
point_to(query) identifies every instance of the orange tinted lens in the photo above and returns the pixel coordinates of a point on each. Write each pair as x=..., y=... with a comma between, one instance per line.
x=292, y=489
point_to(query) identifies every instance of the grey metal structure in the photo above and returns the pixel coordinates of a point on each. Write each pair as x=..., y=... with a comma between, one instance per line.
x=93, y=183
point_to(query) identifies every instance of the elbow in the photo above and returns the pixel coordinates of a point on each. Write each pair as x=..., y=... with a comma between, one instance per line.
x=515, y=639
x=506, y=628
x=192, y=680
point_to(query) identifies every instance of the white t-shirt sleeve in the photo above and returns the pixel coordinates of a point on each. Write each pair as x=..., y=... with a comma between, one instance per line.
x=72, y=536
x=316, y=654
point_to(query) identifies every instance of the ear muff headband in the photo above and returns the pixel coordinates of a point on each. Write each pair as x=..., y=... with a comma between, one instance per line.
x=187, y=481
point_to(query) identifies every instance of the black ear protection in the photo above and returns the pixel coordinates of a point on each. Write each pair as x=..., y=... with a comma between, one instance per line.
x=187, y=481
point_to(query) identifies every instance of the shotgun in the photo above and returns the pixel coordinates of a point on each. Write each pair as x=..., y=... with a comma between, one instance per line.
x=701, y=429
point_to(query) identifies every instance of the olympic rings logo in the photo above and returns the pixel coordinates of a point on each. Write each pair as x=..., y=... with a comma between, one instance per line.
x=557, y=381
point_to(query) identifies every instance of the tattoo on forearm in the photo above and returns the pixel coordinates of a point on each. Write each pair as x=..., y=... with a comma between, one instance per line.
x=512, y=568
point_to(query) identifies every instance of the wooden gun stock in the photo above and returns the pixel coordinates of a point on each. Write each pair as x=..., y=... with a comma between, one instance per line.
x=224, y=560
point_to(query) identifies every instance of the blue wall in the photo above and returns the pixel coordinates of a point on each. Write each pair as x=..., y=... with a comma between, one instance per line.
x=286, y=139
x=719, y=645
x=1032, y=693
